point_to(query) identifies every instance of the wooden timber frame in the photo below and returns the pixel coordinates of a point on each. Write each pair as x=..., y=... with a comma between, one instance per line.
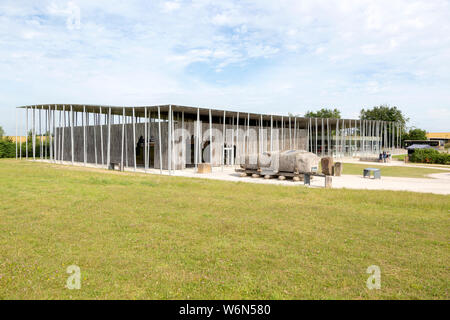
x=174, y=137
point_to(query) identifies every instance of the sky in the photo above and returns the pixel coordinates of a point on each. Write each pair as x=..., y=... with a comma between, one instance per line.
x=277, y=57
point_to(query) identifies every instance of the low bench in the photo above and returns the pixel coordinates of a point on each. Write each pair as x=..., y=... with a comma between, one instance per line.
x=115, y=166
x=376, y=173
x=308, y=176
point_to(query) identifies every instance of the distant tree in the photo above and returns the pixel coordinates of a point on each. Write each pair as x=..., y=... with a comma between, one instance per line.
x=415, y=134
x=324, y=113
x=2, y=132
x=385, y=113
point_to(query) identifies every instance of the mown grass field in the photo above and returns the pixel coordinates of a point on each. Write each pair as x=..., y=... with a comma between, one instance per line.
x=138, y=236
x=390, y=171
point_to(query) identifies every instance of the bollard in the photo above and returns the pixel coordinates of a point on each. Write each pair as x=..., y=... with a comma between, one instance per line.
x=328, y=181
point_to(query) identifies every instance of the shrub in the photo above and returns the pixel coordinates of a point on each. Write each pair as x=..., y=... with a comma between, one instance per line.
x=430, y=156
x=8, y=149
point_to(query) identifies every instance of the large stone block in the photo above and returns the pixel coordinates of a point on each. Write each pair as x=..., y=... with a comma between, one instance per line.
x=204, y=168
x=298, y=161
x=327, y=166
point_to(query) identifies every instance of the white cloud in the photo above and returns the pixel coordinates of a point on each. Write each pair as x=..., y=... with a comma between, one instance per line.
x=256, y=55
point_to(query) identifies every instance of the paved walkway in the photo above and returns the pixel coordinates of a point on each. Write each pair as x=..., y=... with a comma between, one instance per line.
x=439, y=184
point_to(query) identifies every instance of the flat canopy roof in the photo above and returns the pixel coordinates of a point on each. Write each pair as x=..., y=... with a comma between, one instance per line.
x=164, y=109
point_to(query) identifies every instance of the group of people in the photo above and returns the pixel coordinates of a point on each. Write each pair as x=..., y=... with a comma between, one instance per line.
x=385, y=157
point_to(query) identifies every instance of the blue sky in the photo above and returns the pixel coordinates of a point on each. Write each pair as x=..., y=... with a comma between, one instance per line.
x=259, y=56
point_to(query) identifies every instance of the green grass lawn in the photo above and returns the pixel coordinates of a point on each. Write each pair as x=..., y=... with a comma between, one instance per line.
x=399, y=156
x=390, y=171
x=139, y=236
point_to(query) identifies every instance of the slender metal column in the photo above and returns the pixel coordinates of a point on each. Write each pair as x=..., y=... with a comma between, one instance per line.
x=145, y=140
x=197, y=140
x=295, y=133
x=317, y=128
x=134, y=139
x=322, y=139
x=101, y=134
x=307, y=135
x=108, y=150
x=290, y=134
x=233, y=156
x=46, y=130
x=34, y=133
x=183, y=143
x=271, y=133
x=26, y=133
x=20, y=131
x=16, y=134
x=223, y=139
x=123, y=136
x=126, y=140
x=337, y=138
x=248, y=134
x=62, y=116
x=210, y=138
x=238, y=151
x=328, y=138
x=282, y=133
x=95, y=116
x=83, y=122
x=40, y=133
x=169, y=139
x=159, y=140
x=71, y=133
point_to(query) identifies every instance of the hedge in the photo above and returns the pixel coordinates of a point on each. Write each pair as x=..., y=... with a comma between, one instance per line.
x=430, y=156
x=8, y=149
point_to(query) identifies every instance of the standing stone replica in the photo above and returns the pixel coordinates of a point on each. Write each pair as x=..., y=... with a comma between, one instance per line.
x=298, y=161
x=337, y=169
x=327, y=166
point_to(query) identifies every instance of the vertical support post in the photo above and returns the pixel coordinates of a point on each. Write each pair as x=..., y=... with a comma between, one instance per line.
x=71, y=120
x=282, y=132
x=197, y=140
x=290, y=134
x=271, y=133
x=134, y=138
x=248, y=133
x=223, y=139
x=238, y=151
x=169, y=139
x=123, y=138
x=62, y=116
x=40, y=133
x=47, y=131
x=16, y=133
x=83, y=122
x=26, y=133
x=337, y=138
x=101, y=133
x=316, y=135
x=108, y=146
x=322, y=139
x=210, y=138
x=34, y=133
x=95, y=115
x=159, y=140
x=20, y=142
x=307, y=135
x=145, y=140
x=328, y=138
